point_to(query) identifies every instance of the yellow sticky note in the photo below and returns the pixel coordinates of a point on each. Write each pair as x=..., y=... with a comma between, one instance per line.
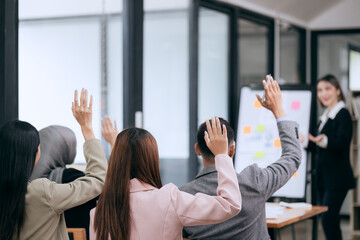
x=260, y=128
x=277, y=143
x=257, y=104
x=247, y=129
x=259, y=154
x=295, y=175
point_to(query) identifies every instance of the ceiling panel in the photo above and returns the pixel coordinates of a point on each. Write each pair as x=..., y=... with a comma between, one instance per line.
x=302, y=11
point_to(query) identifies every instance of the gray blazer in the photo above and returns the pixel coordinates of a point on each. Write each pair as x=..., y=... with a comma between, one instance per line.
x=257, y=185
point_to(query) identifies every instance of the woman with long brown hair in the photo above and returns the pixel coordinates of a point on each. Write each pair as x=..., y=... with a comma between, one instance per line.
x=135, y=205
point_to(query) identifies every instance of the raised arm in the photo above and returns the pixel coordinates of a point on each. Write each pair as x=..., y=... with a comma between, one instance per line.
x=204, y=209
x=64, y=196
x=277, y=174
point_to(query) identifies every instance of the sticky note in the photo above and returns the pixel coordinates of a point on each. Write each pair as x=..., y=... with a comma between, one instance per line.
x=295, y=175
x=295, y=105
x=277, y=143
x=247, y=129
x=259, y=154
x=257, y=104
x=260, y=128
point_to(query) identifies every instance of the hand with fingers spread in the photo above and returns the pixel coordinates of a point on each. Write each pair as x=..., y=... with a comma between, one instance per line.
x=108, y=131
x=215, y=138
x=273, y=98
x=83, y=113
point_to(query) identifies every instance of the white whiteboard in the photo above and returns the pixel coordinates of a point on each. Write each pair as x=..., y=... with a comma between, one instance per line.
x=258, y=138
x=354, y=70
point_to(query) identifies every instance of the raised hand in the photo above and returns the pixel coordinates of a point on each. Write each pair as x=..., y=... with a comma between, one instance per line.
x=216, y=140
x=83, y=113
x=108, y=131
x=273, y=98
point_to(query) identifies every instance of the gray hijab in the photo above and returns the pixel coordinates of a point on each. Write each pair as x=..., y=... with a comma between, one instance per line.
x=58, y=148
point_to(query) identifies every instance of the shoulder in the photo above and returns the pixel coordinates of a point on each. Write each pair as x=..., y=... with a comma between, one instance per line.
x=42, y=188
x=343, y=116
x=38, y=190
x=249, y=176
x=343, y=113
x=39, y=184
x=250, y=170
x=172, y=191
x=169, y=187
x=188, y=187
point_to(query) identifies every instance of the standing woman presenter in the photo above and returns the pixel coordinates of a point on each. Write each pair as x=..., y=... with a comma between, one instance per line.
x=334, y=172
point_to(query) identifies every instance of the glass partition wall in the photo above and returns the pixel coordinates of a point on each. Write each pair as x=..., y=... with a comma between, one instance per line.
x=64, y=48
x=253, y=52
x=292, y=54
x=213, y=64
x=165, y=90
x=69, y=48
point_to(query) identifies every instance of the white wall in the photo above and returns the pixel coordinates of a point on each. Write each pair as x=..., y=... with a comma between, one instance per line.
x=343, y=15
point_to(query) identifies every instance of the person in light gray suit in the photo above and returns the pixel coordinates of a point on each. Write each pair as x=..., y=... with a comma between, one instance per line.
x=257, y=184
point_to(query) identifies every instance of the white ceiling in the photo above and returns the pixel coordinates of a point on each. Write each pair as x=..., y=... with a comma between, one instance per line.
x=314, y=14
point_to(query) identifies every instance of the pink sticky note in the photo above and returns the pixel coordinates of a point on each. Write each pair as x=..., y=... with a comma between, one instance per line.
x=295, y=105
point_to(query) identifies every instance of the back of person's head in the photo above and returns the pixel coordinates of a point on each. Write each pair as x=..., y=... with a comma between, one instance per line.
x=134, y=155
x=19, y=143
x=204, y=150
x=58, y=148
x=335, y=82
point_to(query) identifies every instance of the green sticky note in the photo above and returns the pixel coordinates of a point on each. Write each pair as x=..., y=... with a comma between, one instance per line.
x=259, y=154
x=260, y=128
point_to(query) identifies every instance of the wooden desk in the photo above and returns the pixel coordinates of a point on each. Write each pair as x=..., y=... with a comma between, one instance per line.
x=77, y=233
x=292, y=216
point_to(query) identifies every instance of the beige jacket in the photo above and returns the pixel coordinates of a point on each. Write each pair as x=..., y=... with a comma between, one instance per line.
x=46, y=201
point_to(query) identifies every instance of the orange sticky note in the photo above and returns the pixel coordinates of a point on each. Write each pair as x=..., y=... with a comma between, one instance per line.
x=295, y=175
x=277, y=143
x=247, y=129
x=257, y=104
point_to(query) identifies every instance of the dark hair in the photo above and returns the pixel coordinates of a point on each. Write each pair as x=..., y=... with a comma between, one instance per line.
x=135, y=155
x=333, y=81
x=200, y=137
x=19, y=143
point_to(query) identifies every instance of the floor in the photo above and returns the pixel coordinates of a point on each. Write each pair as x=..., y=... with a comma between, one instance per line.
x=303, y=231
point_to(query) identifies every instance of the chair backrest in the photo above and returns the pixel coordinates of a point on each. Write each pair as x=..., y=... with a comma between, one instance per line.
x=77, y=233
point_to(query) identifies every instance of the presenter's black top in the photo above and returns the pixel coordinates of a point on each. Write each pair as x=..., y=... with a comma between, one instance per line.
x=334, y=171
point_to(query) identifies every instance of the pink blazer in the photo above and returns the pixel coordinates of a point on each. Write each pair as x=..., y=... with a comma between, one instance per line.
x=162, y=213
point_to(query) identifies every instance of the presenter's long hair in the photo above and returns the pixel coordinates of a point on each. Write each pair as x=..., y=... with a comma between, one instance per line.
x=19, y=143
x=135, y=155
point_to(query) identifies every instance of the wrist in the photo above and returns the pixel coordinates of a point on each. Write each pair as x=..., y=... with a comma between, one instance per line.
x=279, y=113
x=87, y=132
